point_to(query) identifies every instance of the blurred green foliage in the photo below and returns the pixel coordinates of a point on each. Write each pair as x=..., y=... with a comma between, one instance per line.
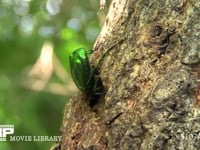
x=25, y=26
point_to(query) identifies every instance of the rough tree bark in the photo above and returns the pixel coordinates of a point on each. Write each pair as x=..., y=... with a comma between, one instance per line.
x=151, y=78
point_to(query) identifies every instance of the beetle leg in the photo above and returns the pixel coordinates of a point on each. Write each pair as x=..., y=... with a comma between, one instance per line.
x=89, y=51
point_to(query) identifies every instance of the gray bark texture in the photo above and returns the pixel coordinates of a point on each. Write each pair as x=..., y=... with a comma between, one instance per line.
x=151, y=78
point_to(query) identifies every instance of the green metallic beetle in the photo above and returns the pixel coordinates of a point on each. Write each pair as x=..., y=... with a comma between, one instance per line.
x=83, y=75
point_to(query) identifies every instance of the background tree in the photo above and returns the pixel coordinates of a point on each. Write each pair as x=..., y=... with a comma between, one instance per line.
x=151, y=80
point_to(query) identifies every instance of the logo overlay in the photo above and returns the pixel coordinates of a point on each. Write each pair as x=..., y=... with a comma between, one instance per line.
x=35, y=138
x=9, y=129
x=5, y=130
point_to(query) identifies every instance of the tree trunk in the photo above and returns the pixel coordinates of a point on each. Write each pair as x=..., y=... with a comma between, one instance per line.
x=151, y=78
